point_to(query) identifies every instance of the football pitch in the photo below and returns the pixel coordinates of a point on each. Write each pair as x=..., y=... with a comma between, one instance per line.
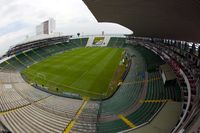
x=84, y=71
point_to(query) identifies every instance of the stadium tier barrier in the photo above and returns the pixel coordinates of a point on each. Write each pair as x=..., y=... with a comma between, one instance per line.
x=64, y=94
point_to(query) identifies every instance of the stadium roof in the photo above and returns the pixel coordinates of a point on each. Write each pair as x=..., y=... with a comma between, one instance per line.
x=172, y=19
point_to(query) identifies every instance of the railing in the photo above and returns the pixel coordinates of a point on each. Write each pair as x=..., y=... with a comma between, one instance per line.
x=4, y=129
x=188, y=91
x=188, y=102
x=148, y=122
x=68, y=95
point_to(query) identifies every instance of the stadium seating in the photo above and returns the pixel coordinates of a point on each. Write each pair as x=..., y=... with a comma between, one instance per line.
x=10, y=77
x=34, y=119
x=121, y=101
x=148, y=109
x=6, y=67
x=27, y=109
x=129, y=90
x=156, y=94
x=116, y=42
x=90, y=112
x=144, y=113
x=34, y=56
x=10, y=99
x=152, y=60
x=23, y=60
x=25, y=102
x=30, y=93
x=59, y=105
x=42, y=52
x=157, y=91
x=88, y=119
x=79, y=42
x=140, y=116
x=17, y=65
x=112, y=126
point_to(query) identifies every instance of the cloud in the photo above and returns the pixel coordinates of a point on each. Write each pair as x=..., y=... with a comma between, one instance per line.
x=7, y=40
x=12, y=27
x=19, y=18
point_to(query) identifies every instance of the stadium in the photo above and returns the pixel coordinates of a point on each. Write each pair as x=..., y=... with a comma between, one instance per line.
x=107, y=83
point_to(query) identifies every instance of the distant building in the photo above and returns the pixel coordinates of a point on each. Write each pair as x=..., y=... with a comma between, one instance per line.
x=46, y=27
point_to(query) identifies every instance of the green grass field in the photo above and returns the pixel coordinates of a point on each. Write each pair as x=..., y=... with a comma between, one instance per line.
x=85, y=71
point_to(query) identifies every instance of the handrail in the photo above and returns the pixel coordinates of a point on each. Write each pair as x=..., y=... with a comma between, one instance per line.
x=188, y=98
x=188, y=101
x=144, y=124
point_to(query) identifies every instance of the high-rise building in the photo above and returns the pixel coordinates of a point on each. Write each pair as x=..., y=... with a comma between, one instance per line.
x=46, y=27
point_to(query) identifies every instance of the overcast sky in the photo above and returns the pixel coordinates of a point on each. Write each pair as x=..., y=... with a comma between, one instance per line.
x=19, y=18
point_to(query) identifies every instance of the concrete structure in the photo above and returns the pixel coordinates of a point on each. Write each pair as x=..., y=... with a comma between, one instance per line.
x=46, y=27
x=174, y=19
x=168, y=75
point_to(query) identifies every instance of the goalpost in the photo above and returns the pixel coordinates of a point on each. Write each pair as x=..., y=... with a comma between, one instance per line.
x=41, y=76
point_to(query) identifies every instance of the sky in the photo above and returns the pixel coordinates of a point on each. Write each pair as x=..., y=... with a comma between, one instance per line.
x=20, y=17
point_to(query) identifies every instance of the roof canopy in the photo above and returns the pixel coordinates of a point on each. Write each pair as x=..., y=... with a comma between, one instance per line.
x=172, y=19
